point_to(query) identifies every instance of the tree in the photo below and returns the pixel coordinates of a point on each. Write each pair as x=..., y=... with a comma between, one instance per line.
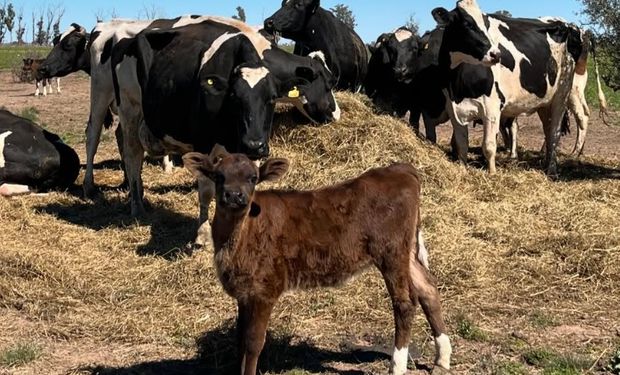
x=604, y=17
x=40, y=36
x=150, y=12
x=9, y=20
x=2, y=15
x=344, y=14
x=504, y=13
x=53, y=16
x=240, y=14
x=413, y=25
x=21, y=29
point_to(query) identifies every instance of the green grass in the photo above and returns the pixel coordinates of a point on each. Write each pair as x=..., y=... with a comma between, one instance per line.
x=541, y=320
x=509, y=368
x=30, y=113
x=614, y=363
x=552, y=363
x=19, y=355
x=10, y=55
x=468, y=330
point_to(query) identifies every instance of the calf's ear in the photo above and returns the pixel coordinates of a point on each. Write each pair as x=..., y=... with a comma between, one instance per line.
x=441, y=16
x=272, y=170
x=198, y=164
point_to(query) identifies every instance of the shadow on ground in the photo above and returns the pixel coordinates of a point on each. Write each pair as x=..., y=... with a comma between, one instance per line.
x=217, y=355
x=170, y=231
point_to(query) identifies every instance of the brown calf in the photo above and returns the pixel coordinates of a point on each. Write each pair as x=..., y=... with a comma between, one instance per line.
x=31, y=69
x=269, y=242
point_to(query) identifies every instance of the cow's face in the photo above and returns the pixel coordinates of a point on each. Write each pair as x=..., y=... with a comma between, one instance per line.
x=64, y=57
x=316, y=90
x=403, y=46
x=235, y=176
x=466, y=37
x=292, y=17
x=254, y=91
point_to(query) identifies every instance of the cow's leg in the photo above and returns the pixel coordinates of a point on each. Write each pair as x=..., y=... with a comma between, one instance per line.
x=133, y=155
x=397, y=281
x=99, y=108
x=206, y=191
x=258, y=313
x=489, y=140
x=460, y=142
x=508, y=129
x=37, y=85
x=430, y=128
x=425, y=291
x=45, y=84
x=7, y=190
x=578, y=105
x=119, y=143
x=514, y=132
x=168, y=164
x=58, y=85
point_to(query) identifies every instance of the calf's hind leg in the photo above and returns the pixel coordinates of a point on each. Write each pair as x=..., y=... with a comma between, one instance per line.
x=423, y=289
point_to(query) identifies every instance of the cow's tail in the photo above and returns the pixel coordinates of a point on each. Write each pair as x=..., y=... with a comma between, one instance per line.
x=601, y=95
x=565, y=127
x=108, y=120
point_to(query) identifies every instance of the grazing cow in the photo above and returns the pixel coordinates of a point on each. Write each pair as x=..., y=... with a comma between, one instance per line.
x=270, y=242
x=31, y=69
x=32, y=158
x=315, y=29
x=185, y=89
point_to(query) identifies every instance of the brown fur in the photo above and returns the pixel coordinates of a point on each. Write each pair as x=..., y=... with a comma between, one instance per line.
x=31, y=68
x=275, y=241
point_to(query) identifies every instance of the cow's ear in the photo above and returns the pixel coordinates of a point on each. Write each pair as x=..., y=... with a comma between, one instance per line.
x=198, y=164
x=214, y=84
x=441, y=16
x=272, y=170
x=306, y=73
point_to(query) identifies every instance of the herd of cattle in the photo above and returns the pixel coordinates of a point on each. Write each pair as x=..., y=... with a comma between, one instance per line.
x=200, y=85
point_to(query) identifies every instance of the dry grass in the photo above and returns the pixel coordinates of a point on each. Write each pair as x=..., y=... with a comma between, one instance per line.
x=95, y=288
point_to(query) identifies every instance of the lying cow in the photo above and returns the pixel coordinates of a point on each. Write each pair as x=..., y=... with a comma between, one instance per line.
x=316, y=29
x=31, y=69
x=270, y=242
x=33, y=159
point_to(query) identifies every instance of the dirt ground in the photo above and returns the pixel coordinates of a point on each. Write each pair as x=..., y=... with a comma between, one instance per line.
x=76, y=340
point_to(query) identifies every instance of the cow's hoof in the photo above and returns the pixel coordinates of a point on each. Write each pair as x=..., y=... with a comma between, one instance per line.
x=91, y=192
x=438, y=370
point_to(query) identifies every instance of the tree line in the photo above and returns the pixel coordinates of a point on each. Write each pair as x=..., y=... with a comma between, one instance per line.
x=45, y=24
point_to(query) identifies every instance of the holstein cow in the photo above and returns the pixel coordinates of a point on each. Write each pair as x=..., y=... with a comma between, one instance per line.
x=32, y=158
x=315, y=29
x=78, y=51
x=536, y=73
x=270, y=242
x=31, y=69
x=185, y=89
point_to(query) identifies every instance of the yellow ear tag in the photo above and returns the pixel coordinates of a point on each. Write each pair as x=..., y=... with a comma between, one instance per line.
x=210, y=82
x=294, y=93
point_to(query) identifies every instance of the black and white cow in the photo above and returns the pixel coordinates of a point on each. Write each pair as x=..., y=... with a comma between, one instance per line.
x=536, y=73
x=315, y=29
x=33, y=159
x=77, y=50
x=186, y=89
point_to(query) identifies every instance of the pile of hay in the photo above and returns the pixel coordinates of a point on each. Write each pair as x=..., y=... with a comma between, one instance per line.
x=501, y=246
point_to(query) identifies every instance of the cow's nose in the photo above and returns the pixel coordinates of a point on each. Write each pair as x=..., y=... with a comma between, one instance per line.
x=269, y=24
x=256, y=145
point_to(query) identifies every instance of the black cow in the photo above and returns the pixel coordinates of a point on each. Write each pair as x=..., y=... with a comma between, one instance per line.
x=315, y=29
x=32, y=158
x=185, y=89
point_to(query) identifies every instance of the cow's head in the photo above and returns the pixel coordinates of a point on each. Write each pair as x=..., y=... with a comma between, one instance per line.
x=249, y=95
x=397, y=52
x=466, y=37
x=315, y=90
x=235, y=176
x=64, y=58
x=292, y=17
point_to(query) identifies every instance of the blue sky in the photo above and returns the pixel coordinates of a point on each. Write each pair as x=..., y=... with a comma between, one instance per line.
x=373, y=16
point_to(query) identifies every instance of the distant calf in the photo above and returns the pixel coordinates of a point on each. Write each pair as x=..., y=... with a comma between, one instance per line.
x=31, y=69
x=270, y=242
x=32, y=158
